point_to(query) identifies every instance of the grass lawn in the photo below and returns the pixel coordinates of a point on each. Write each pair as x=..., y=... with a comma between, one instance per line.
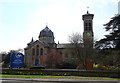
x=57, y=77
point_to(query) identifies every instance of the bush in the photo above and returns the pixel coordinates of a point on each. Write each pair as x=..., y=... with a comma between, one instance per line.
x=111, y=68
x=99, y=67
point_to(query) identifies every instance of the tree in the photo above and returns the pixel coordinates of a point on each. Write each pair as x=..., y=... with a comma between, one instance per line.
x=7, y=57
x=76, y=41
x=75, y=38
x=83, y=52
x=112, y=40
x=53, y=58
x=109, y=47
x=2, y=56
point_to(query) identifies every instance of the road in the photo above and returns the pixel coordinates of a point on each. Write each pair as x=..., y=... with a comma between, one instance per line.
x=15, y=81
x=82, y=81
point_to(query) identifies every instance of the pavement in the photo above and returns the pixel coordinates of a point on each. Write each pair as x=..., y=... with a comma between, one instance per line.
x=63, y=80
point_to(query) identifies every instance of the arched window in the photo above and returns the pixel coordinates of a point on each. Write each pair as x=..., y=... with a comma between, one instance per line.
x=33, y=51
x=86, y=26
x=41, y=51
x=90, y=25
x=37, y=50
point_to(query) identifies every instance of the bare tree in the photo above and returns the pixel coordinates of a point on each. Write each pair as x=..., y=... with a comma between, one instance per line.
x=75, y=38
x=76, y=41
x=82, y=52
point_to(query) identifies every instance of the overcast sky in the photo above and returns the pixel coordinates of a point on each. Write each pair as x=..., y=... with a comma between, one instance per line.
x=20, y=20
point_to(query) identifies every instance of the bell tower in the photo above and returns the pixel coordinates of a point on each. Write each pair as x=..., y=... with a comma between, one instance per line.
x=88, y=34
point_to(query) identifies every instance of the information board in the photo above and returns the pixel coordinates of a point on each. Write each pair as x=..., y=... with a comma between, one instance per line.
x=17, y=60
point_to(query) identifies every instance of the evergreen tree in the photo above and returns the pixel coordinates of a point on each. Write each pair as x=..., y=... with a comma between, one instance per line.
x=112, y=40
x=7, y=58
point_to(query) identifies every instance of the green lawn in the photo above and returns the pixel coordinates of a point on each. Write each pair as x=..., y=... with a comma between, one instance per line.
x=57, y=77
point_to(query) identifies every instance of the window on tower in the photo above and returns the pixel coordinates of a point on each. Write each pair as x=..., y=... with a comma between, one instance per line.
x=90, y=26
x=86, y=25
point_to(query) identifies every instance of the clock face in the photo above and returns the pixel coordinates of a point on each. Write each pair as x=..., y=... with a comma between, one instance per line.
x=88, y=34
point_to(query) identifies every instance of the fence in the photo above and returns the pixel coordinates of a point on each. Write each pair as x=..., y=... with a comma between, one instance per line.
x=63, y=72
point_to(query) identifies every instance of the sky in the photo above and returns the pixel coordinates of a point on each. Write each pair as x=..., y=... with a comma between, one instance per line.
x=20, y=20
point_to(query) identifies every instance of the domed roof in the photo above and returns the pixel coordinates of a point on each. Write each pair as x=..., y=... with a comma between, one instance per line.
x=46, y=32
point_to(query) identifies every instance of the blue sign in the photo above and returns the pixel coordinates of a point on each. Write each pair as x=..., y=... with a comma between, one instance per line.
x=17, y=60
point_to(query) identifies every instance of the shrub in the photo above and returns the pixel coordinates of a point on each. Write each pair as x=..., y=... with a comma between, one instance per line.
x=99, y=67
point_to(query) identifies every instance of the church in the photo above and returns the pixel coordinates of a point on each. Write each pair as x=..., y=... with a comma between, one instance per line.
x=37, y=52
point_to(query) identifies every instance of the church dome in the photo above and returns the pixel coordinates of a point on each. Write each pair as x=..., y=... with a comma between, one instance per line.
x=46, y=32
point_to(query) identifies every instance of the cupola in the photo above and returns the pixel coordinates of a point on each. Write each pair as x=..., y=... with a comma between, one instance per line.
x=46, y=35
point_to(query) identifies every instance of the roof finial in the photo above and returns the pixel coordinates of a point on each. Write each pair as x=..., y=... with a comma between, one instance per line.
x=58, y=42
x=87, y=9
x=46, y=24
x=32, y=39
